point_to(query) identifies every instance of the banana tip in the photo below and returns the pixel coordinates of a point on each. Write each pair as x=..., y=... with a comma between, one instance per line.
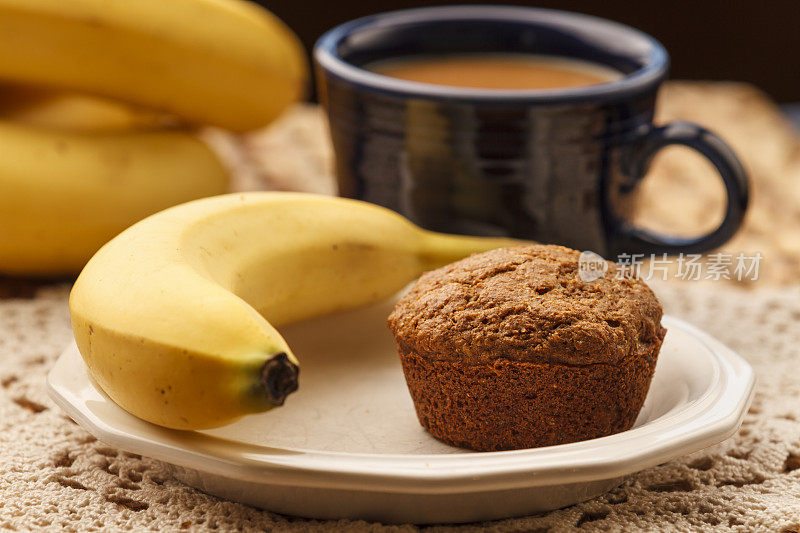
x=279, y=378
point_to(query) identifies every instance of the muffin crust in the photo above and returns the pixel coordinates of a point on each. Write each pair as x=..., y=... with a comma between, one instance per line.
x=510, y=349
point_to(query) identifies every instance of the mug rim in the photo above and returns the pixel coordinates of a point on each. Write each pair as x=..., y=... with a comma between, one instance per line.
x=650, y=74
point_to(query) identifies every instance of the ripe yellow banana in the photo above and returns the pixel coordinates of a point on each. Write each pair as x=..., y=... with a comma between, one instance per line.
x=75, y=112
x=176, y=316
x=64, y=194
x=228, y=63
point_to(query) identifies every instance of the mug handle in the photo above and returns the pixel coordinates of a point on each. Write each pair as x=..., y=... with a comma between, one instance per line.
x=638, y=240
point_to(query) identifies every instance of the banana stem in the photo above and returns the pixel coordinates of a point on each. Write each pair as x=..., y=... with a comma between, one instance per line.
x=438, y=249
x=279, y=378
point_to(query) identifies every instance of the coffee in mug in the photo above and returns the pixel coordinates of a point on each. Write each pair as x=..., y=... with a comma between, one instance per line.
x=496, y=71
x=559, y=164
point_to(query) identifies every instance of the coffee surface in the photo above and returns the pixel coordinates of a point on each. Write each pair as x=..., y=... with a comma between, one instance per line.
x=497, y=71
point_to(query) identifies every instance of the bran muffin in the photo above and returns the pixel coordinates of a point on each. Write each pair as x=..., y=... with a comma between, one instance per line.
x=509, y=349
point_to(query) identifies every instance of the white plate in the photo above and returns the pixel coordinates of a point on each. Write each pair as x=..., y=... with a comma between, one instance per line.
x=348, y=445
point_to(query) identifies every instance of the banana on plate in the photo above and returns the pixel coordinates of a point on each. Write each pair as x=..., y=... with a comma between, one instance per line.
x=175, y=318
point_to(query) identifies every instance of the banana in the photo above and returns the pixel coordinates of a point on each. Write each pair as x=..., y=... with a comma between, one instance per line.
x=176, y=317
x=64, y=194
x=227, y=63
x=76, y=112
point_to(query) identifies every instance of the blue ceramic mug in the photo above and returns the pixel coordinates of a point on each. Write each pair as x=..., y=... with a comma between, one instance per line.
x=554, y=166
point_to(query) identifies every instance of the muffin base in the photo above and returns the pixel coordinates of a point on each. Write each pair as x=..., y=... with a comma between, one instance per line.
x=512, y=405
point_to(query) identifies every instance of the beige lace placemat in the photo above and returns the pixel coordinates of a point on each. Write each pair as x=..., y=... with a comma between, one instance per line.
x=54, y=475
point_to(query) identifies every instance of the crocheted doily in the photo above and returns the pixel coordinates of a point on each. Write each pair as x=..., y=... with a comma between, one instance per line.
x=55, y=474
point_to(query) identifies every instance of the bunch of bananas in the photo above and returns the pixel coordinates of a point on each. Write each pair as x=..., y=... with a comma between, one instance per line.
x=98, y=99
x=175, y=317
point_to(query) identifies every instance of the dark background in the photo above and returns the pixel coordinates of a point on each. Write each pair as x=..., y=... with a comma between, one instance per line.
x=750, y=40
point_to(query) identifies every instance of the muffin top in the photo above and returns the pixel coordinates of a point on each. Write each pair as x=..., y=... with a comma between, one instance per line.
x=527, y=303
